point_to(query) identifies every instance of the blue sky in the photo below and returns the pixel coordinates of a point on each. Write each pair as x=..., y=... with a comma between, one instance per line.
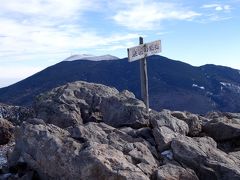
x=35, y=34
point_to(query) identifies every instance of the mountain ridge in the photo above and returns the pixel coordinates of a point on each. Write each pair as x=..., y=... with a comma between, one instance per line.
x=172, y=84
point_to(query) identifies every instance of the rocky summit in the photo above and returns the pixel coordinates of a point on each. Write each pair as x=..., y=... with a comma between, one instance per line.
x=173, y=84
x=91, y=131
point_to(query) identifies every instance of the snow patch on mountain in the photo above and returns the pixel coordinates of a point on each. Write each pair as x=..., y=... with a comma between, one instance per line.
x=90, y=57
x=209, y=93
x=233, y=87
x=225, y=84
x=197, y=86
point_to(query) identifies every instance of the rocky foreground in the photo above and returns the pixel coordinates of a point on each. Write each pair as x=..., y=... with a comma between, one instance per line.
x=91, y=131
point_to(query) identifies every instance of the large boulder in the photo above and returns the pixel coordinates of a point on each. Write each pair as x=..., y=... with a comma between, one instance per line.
x=15, y=114
x=202, y=155
x=90, y=151
x=124, y=109
x=163, y=137
x=166, y=127
x=164, y=118
x=223, y=128
x=6, y=131
x=82, y=102
x=193, y=121
x=174, y=172
x=140, y=151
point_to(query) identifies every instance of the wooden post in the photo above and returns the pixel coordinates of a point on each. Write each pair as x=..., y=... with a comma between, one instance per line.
x=144, y=79
x=140, y=53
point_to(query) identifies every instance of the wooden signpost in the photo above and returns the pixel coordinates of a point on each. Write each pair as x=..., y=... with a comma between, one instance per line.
x=140, y=53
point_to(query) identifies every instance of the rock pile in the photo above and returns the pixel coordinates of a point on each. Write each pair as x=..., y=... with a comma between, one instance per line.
x=91, y=131
x=15, y=114
x=6, y=131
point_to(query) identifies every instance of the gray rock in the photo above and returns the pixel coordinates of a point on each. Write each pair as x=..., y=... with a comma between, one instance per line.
x=174, y=172
x=193, y=121
x=163, y=137
x=202, y=155
x=214, y=115
x=120, y=110
x=139, y=150
x=204, y=120
x=168, y=154
x=165, y=118
x=90, y=151
x=5, y=176
x=6, y=131
x=145, y=133
x=230, y=145
x=194, y=124
x=179, y=114
x=81, y=102
x=222, y=128
x=165, y=128
x=232, y=115
x=4, y=151
x=35, y=121
x=15, y=114
x=235, y=155
x=27, y=176
x=130, y=131
x=105, y=162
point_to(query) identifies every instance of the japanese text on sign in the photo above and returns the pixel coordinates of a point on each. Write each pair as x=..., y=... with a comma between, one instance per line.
x=142, y=51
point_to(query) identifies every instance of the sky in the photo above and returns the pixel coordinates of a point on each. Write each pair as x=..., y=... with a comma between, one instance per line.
x=35, y=34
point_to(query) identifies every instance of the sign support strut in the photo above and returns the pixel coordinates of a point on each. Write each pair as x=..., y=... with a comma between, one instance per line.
x=144, y=79
x=141, y=52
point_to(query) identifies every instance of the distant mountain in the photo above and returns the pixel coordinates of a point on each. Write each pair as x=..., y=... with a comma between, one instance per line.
x=91, y=57
x=172, y=84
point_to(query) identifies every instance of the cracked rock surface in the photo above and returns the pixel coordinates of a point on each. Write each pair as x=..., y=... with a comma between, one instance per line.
x=90, y=131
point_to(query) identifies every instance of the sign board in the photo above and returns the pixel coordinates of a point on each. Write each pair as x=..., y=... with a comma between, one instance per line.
x=144, y=50
x=140, y=53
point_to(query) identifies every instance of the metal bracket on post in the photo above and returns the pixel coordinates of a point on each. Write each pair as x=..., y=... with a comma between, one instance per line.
x=144, y=79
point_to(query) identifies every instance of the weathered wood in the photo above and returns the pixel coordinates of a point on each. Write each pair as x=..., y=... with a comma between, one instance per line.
x=143, y=50
x=144, y=79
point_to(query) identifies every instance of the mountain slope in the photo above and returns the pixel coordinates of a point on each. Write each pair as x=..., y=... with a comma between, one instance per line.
x=172, y=84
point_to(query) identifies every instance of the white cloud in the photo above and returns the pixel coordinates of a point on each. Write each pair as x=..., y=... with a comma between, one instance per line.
x=30, y=28
x=33, y=30
x=5, y=82
x=118, y=46
x=46, y=40
x=216, y=12
x=142, y=15
x=217, y=7
x=47, y=8
x=12, y=74
x=19, y=72
x=210, y=5
x=34, y=26
x=227, y=7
